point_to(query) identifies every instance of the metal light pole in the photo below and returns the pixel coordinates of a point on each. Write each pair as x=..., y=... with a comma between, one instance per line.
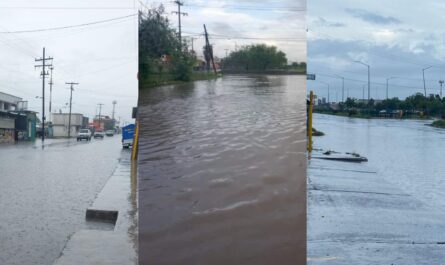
x=369, y=77
x=387, y=81
x=441, y=83
x=423, y=73
x=342, y=88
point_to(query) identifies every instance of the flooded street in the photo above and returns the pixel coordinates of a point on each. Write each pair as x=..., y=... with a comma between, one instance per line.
x=44, y=194
x=222, y=170
x=389, y=210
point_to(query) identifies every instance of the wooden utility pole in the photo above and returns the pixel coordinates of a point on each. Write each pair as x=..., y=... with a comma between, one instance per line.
x=179, y=3
x=50, y=93
x=100, y=114
x=71, y=102
x=193, y=49
x=43, y=74
x=209, y=50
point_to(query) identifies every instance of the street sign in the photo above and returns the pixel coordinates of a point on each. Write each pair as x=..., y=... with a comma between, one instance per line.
x=134, y=113
x=310, y=77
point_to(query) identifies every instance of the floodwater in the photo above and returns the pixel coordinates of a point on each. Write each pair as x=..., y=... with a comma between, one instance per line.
x=222, y=172
x=44, y=194
x=389, y=210
x=405, y=152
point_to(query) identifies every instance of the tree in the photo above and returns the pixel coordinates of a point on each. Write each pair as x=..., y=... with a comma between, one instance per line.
x=256, y=57
x=158, y=39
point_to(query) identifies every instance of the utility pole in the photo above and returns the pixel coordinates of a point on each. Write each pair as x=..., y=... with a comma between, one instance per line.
x=43, y=65
x=114, y=105
x=193, y=49
x=226, y=51
x=100, y=114
x=209, y=50
x=179, y=3
x=441, y=83
x=423, y=73
x=71, y=103
x=50, y=93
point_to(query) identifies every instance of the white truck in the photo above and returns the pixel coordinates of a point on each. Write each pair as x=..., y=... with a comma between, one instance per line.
x=84, y=134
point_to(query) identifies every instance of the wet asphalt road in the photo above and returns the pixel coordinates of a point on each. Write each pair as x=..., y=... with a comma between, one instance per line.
x=44, y=194
x=390, y=210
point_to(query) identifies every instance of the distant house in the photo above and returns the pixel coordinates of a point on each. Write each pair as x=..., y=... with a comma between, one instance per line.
x=166, y=59
x=200, y=64
x=61, y=123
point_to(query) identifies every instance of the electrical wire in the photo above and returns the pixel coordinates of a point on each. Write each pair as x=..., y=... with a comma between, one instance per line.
x=68, y=27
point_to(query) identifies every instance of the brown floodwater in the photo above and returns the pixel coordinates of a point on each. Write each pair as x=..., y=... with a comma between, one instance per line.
x=222, y=172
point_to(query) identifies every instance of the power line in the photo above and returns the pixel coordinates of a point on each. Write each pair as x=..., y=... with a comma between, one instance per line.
x=222, y=36
x=65, y=8
x=67, y=27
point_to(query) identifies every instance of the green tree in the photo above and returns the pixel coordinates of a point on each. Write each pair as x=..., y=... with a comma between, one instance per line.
x=157, y=39
x=256, y=57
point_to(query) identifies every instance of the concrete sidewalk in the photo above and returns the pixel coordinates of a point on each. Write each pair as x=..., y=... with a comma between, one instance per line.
x=106, y=242
x=356, y=217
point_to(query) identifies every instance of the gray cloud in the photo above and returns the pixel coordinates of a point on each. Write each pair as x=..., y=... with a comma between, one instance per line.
x=372, y=17
x=329, y=57
x=322, y=22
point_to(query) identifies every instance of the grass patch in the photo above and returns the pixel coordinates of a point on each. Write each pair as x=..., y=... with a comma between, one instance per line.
x=438, y=124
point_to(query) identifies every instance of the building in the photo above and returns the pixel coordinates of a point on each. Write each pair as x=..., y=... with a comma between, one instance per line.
x=104, y=123
x=7, y=127
x=9, y=102
x=16, y=122
x=61, y=122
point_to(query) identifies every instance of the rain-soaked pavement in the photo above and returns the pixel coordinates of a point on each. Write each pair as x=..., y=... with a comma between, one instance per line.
x=44, y=194
x=390, y=210
x=222, y=172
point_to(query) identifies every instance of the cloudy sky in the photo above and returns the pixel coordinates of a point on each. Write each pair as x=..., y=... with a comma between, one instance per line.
x=232, y=24
x=101, y=57
x=396, y=38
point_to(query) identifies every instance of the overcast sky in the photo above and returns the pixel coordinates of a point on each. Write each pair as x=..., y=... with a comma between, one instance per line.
x=279, y=23
x=397, y=38
x=102, y=58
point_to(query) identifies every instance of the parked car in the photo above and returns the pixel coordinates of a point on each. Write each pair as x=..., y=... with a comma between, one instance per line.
x=99, y=134
x=84, y=134
x=109, y=132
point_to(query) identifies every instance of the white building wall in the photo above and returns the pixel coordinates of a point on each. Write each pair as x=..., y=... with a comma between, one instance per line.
x=63, y=119
x=9, y=98
x=62, y=131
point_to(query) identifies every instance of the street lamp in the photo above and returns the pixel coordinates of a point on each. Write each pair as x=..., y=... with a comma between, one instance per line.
x=441, y=83
x=328, y=88
x=369, y=77
x=342, y=88
x=423, y=73
x=387, y=79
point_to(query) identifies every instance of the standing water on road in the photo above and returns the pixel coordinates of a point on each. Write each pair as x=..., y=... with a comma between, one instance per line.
x=44, y=194
x=222, y=172
x=389, y=210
